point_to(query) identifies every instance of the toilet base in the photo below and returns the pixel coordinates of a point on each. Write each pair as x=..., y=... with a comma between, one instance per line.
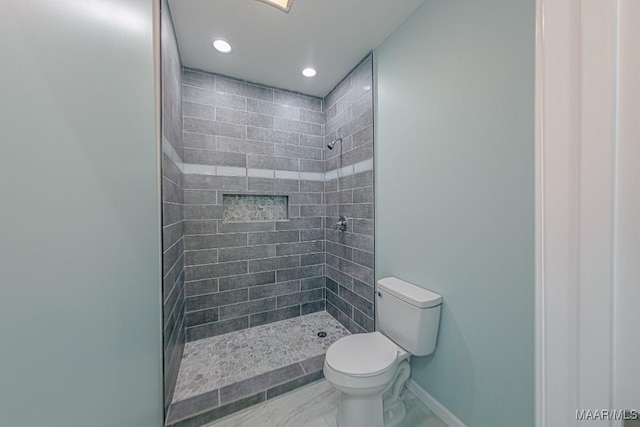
x=394, y=413
x=393, y=408
x=384, y=409
x=367, y=413
x=360, y=411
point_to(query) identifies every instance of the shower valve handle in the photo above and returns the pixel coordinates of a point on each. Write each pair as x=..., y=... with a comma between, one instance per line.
x=342, y=223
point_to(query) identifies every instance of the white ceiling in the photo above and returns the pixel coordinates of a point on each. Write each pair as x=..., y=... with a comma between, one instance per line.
x=272, y=47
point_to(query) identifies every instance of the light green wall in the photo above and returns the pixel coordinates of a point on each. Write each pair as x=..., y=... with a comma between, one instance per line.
x=80, y=324
x=455, y=196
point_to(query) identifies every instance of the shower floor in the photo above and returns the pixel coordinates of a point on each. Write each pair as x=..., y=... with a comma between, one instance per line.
x=227, y=373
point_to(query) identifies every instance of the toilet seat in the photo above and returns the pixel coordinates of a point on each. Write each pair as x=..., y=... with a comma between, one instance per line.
x=362, y=355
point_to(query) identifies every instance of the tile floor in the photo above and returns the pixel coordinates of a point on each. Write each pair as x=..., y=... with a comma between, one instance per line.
x=215, y=362
x=315, y=406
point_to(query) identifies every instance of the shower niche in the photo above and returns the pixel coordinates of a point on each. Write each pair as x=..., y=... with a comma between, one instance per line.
x=253, y=207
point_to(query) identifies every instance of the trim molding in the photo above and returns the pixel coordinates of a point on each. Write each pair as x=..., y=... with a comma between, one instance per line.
x=430, y=402
x=557, y=174
x=575, y=172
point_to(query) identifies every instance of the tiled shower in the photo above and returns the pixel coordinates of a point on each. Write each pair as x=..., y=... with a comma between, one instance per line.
x=244, y=143
x=254, y=264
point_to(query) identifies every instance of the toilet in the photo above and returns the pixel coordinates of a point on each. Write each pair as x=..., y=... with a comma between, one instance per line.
x=371, y=369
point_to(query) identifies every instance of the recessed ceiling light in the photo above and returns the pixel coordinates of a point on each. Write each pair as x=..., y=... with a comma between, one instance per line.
x=222, y=46
x=309, y=72
x=283, y=5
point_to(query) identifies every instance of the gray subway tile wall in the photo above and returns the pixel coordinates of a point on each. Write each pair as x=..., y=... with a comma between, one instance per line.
x=243, y=274
x=172, y=207
x=349, y=255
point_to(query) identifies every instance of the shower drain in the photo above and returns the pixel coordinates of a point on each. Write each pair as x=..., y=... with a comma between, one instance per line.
x=322, y=334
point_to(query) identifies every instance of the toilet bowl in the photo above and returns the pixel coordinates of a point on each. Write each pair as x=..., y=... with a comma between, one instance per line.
x=371, y=369
x=364, y=367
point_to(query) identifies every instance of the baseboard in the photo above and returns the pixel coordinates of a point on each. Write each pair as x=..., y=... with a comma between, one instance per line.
x=430, y=402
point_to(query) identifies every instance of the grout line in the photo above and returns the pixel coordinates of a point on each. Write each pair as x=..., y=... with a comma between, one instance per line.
x=267, y=155
x=239, y=317
x=175, y=304
x=337, y=309
x=248, y=287
x=171, y=181
x=181, y=257
x=176, y=242
x=360, y=311
x=166, y=226
x=256, y=99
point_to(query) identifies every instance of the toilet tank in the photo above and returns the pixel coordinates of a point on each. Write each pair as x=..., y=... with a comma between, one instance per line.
x=408, y=314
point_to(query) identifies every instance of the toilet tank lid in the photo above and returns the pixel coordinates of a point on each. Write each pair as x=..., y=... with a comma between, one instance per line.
x=409, y=293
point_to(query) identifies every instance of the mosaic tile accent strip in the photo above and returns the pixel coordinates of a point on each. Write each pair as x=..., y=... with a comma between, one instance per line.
x=245, y=207
x=212, y=363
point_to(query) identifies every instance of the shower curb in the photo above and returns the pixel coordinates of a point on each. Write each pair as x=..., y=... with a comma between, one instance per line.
x=213, y=405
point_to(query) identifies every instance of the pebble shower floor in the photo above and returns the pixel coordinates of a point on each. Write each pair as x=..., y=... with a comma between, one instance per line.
x=215, y=362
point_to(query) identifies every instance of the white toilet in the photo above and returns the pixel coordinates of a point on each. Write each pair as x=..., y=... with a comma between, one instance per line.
x=371, y=369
